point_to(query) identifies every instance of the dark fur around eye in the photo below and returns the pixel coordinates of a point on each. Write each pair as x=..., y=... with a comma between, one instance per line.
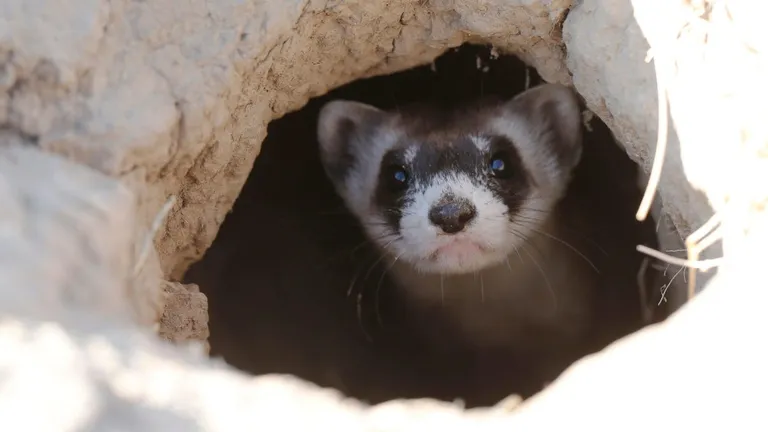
x=504, y=162
x=501, y=165
x=393, y=183
x=509, y=180
x=395, y=177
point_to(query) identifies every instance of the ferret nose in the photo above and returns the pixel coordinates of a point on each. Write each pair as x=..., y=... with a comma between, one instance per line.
x=453, y=215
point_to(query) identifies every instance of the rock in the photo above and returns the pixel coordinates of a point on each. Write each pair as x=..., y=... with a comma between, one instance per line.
x=63, y=239
x=186, y=314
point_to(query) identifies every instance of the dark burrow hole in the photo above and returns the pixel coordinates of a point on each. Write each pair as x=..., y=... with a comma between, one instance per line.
x=294, y=288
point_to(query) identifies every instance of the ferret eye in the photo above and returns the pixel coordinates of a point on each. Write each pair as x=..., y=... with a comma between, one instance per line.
x=500, y=166
x=398, y=178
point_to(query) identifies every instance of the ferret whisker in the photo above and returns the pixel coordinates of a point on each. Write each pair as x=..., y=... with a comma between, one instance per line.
x=525, y=218
x=523, y=238
x=359, y=300
x=568, y=245
x=359, y=308
x=358, y=247
x=345, y=253
x=377, y=224
x=509, y=266
x=567, y=228
x=534, y=209
x=378, y=289
x=358, y=305
x=353, y=282
x=385, y=236
x=543, y=275
x=381, y=257
x=367, y=242
x=356, y=277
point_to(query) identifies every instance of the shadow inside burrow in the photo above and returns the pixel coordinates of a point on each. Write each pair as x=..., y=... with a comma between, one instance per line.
x=293, y=286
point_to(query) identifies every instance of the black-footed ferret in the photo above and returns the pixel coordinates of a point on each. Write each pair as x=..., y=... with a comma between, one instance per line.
x=464, y=204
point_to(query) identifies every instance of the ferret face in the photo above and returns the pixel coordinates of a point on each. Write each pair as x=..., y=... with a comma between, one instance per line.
x=455, y=191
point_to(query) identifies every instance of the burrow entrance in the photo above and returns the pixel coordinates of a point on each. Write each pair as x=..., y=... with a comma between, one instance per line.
x=293, y=287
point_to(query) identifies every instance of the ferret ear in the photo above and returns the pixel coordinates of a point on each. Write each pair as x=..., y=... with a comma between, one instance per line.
x=553, y=115
x=343, y=126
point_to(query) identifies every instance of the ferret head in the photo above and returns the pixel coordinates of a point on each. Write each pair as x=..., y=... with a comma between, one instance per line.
x=454, y=191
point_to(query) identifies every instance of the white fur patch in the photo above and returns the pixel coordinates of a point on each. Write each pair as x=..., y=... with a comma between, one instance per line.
x=482, y=143
x=410, y=154
x=489, y=230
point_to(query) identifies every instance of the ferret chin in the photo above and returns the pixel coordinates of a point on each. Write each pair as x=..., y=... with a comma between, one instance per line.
x=464, y=202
